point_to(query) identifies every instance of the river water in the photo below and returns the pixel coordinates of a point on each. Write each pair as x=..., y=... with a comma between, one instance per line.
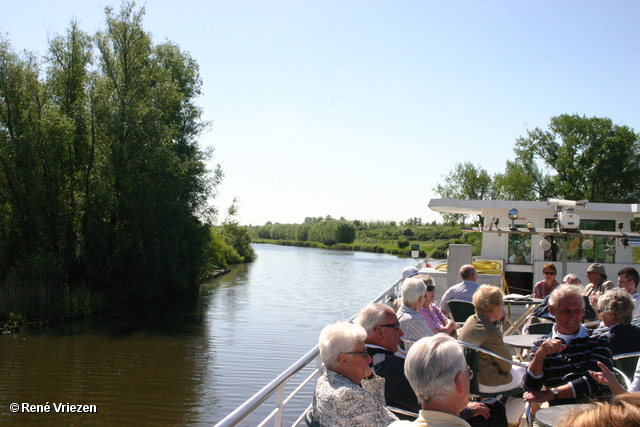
x=189, y=363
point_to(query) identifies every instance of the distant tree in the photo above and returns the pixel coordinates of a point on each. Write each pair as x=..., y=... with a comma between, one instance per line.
x=466, y=182
x=237, y=236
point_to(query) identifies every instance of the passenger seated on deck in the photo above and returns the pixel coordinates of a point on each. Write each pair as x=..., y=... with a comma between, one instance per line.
x=462, y=291
x=542, y=314
x=483, y=330
x=616, y=308
x=439, y=376
x=383, y=334
x=346, y=396
x=413, y=297
x=561, y=361
x=436, y=319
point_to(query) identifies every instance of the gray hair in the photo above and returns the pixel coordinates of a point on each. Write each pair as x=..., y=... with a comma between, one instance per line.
x=618, y=302
x=428, y=280
x=432, y=365
x=372, y=315
x=572, y=279
x=564, y=291
x=339, y=338
x=412, y=290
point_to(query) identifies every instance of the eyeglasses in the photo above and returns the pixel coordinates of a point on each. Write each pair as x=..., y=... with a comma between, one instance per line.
x=364, y=354
x=391, y=325
x=431, y=288
x=549, y=272
x=470, y=373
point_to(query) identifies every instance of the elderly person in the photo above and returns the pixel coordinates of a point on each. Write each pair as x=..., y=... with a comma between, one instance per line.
x=431, y=313
x=439, y=376
x=483, y=330
x=383, y=333
x=560, y=362
x=544, y=287
x=413, y=297
x=343, y=397
x=598, y=284
x=463, y=291
x=572, y=279
x=616, y=307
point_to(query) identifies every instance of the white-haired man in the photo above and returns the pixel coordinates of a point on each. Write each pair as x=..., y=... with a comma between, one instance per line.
x=562, y=360
x=440, y=378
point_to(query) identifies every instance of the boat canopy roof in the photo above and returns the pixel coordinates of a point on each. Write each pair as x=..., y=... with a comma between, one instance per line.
x=477, y=207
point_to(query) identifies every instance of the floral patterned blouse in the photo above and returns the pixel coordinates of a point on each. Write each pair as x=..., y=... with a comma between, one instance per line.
x=338, y=402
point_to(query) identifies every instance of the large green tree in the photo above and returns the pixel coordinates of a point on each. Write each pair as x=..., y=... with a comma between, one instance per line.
x=578, y=158
x=587, y=158
x=103, y=185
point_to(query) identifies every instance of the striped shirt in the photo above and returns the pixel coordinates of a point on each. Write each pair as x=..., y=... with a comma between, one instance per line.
x=572, y=366
x=412, y=324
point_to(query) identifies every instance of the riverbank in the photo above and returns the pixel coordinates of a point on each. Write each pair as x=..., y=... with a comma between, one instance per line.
x=390, y=248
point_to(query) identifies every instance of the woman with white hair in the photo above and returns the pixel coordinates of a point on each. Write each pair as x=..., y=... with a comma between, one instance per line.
x=343, y=397
x=411, y=322
x=440, y=378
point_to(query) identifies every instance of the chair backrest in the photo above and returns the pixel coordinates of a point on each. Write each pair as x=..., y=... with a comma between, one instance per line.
x=472, y=360
x=627, y=363
x=539, y=328
x=461, y=310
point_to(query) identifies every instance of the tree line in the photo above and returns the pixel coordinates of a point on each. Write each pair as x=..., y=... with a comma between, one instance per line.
x=104, y=189
x=330, y=232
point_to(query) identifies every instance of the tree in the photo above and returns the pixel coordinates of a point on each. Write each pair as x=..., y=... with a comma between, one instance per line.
x=466, y=182
x=102, y=180
x=589, y=158
x=577, y=158
x=236, y=236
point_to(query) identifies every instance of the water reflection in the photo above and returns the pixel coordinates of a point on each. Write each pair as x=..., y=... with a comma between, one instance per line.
x=190, y=362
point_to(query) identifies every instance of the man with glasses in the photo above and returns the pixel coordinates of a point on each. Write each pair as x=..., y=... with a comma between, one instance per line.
x=562, y=360
x=439, y=376
x=383, y=335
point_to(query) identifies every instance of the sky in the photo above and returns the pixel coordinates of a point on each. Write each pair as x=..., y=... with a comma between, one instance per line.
x=358, y=109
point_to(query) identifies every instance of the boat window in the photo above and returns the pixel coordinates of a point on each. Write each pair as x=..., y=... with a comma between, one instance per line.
x=519, y=247
x=581, y=249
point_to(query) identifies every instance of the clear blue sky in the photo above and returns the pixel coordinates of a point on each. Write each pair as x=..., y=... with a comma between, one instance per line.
x=358, y=108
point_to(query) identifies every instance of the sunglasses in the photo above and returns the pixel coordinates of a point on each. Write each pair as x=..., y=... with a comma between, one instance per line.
x=431, y=288
x=549, y=272
x=391, y=325
x=361, y=353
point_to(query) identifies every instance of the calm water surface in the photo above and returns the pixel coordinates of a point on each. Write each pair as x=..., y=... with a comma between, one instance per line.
x=190, y=363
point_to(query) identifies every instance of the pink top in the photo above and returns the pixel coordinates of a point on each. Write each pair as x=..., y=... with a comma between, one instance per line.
x=434, y=316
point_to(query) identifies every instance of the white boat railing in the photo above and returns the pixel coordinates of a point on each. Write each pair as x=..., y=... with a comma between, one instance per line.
x=277, y=386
